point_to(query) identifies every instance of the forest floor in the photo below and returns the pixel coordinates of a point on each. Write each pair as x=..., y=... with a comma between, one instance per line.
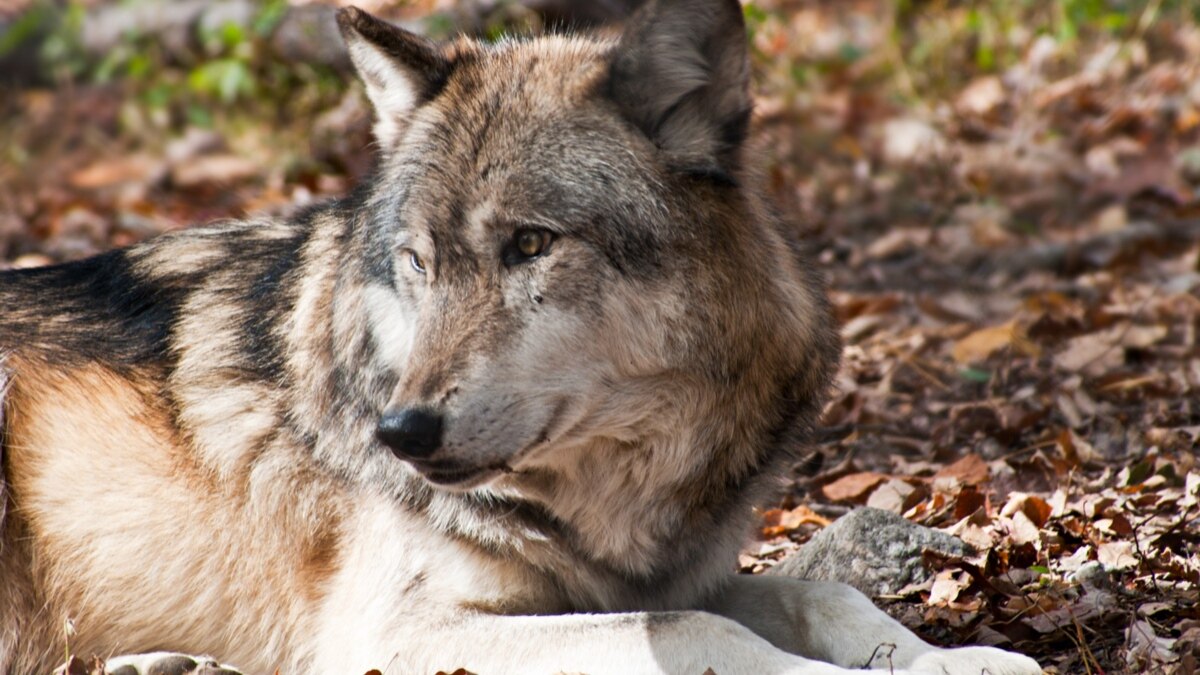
x=1005, y=200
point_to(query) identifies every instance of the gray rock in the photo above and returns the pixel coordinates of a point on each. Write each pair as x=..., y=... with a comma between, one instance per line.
x=878, y=552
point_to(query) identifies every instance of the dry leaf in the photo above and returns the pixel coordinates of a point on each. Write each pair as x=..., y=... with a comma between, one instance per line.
x=1117, y=555
x=113, y=171
x=946, y=587
x=214, y=170
x=1098, y=352
x=1146, y=647
x=970, y=470
x=777, y=522
x=1075, y=449
x=854, y=487
x=1038, y=510
x=968, y=501
x=981, y=344
x=893, y=496
x=911, y=140
x=981, y=96
x=898, y=240
x=1022, y=530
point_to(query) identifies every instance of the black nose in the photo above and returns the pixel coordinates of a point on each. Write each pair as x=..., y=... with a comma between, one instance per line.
x=411, y=433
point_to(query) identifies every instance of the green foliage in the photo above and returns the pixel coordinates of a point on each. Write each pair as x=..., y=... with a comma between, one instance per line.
x=226, y=78
x=975, y=375
x=755, y=16
x=269, y=17
x=24, y=29
x=61, y=50
x=233, y=70
x=931, y=47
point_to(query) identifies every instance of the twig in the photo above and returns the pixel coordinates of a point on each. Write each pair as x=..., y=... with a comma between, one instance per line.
x=1081, y=644
x=891, y=650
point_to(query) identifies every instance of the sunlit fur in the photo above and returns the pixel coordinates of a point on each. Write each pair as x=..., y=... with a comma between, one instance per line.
x=190, y=461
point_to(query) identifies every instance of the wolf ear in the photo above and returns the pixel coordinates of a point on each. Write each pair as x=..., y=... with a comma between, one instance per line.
x=681, y=73
x=401, y=70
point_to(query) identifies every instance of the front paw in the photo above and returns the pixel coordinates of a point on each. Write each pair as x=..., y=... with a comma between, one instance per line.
x=166, y=663
x=974, y=661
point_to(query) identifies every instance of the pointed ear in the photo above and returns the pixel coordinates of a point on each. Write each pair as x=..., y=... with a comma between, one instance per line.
x=681, y=73
x=401, y=70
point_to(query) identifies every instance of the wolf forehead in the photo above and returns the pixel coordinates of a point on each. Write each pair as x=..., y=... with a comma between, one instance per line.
x=630, y=144
x=525, y=125
x=524, y=134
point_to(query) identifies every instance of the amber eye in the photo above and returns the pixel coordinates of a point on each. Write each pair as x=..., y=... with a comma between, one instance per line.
x=415, y=261
x=532, y=243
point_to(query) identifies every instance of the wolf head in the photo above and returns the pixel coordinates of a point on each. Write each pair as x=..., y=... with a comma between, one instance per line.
x=564, y=248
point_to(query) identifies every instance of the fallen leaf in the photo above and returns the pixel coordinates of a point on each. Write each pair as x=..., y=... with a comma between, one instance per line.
x=979, y=537
x=981, y=96
x=911, y=140
x=896, y=241
x=777, y=522
x=1022, y=530
x=854, y=487
x=1149, y=609
x=108, y=172
x=1056, y=615
x=1072, y=563
x=981, y=344
x=946, y=587
x=1099, y=352
x=213, y=170
x=970, y=470
x=1146, y=647
x=895, y=495
x=1117, y=555
x=1075, y=450
x=968, y=501
x=1038, y=510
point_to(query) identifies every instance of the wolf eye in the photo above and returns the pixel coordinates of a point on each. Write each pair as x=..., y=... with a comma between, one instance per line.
x=527, y=244
x=415, y=261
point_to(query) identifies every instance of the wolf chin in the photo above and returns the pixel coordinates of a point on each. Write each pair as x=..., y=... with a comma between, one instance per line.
x=507, y=407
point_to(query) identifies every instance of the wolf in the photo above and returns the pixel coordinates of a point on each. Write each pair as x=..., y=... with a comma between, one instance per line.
x=507, y=407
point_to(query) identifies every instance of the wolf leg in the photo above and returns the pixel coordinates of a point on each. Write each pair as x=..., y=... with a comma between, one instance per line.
x=166, y=663
x=647, y=643
x=836, y=623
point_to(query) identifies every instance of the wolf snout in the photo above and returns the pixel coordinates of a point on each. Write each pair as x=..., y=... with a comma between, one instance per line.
x=411, y=433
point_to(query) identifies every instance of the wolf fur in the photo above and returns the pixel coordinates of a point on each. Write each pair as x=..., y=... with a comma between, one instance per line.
x=563, y=268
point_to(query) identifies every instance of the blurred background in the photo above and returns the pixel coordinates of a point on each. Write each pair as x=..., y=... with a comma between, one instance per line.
x=124, y=118
x=1004, y=195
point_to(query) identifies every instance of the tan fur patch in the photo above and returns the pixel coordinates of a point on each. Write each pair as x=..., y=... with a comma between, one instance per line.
x=114, y=501
x=52, y=411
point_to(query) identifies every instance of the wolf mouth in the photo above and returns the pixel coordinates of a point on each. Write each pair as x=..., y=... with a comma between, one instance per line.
x=450, y=474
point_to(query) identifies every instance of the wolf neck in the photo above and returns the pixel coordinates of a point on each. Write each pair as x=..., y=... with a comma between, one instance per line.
x=671, y=506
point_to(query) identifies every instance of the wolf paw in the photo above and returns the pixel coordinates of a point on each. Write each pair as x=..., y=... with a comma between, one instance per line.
x=974, y=661
x=166, y=663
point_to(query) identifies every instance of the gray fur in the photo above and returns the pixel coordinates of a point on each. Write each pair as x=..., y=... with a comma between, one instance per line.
x=190, y=440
